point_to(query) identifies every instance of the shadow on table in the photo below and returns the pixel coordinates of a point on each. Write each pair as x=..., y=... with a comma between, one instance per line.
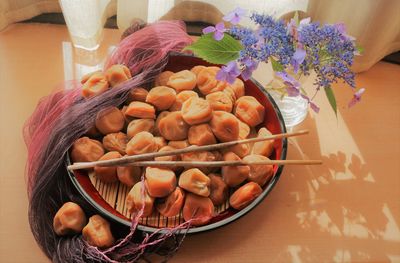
x=336, y=212
x=342, y=208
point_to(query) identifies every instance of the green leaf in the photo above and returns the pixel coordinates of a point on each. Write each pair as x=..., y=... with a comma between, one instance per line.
x=360, y=49
x=217, y=52
x=276, y=66
x=331, y=98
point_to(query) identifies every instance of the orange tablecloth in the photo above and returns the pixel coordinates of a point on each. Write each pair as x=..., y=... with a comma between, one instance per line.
x=346, y=210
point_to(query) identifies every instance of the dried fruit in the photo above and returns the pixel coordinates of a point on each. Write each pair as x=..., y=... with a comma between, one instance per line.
x=173, y=127
x=110, y=120
x=182, y=80
x=218, y=189
x=259, y=174
x=142, y=110
x=198, y=209
x=225, y=126
x=195, y=181
x=86, y=150
x=107, y=174
x=196, y=111
x=161, y=97
x=245, y=195
x=234, y=175
x=117, y=74
x=142, y=142
x=98, y=233
x=69, y=219
x=172, y=204
x=249, y=110
x=160, y=182
x=138, y=197
x=115, y=142
x=140, y=125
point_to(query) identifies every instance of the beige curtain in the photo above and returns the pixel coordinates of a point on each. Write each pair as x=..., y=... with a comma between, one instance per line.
x=375, y=23
x=12, y=11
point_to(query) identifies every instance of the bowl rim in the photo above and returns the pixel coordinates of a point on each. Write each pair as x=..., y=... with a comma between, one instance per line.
x=207, y=227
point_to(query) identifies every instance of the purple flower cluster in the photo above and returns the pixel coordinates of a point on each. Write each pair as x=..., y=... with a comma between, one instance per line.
x=269, y=40
x=273, y=39
x=330, y=53
x=299, y=46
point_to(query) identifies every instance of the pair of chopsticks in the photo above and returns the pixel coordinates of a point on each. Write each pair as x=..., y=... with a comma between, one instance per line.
x=138, y=160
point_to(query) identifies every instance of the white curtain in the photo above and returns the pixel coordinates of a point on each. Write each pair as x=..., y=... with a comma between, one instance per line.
x=375, y=23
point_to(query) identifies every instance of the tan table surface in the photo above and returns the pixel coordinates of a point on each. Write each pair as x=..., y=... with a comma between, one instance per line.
x=347, y=210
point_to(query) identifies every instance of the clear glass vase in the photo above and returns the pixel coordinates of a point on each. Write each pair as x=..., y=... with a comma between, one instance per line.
x=294, y=109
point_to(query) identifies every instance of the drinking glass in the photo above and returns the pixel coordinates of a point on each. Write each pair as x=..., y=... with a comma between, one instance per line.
x=85, y=20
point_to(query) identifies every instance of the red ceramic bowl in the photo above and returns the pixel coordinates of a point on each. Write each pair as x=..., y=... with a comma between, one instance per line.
x=273, y=122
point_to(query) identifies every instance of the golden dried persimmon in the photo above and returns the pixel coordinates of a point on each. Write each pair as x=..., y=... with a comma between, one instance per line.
x=201, y=134
x=98, y=233
x=195, y=181
x=182, y=80
x=139, y=197
x=225, y=126
x=198, y=209
x=107, y=174
x=161, y=97
x=96, y=84
x=142, y=142
x=115, y=142
x=220, y=101
x=110, y=120
x=181, y=97
x=173, y=127
x=85, y=149
x=249, y=110
x=245, y=195
x=163, y=77
x=259, y=174
x=234, y=175
x=69, y=219
x=160, y=182
x=117, y=74
x=140, y=109
x=139, y=125
x=137, y=94
x=196, y=111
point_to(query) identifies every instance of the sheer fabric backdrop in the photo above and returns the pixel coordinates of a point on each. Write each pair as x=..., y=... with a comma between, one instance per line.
x=375, y=23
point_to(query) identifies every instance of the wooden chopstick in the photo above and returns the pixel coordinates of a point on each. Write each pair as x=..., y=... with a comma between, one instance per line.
x=212, y=147
x=222, y=163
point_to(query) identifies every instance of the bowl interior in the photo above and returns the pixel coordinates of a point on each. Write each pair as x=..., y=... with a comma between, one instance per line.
x=108, y=199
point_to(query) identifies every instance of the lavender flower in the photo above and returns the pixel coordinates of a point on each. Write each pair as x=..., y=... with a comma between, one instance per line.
x=328, y=53
x=304, y=22
x=269, y=40
x=234, y=16
x=356, y=97
x=218, y=30
x=298, y=58
x=249, y=66
x=342, y=29
x=228, y=73
x=292, y=85
x=313, y=106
